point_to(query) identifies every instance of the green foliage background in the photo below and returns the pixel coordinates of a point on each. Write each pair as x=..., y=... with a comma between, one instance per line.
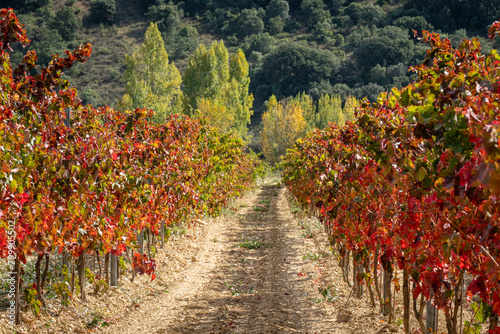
x=336, y=47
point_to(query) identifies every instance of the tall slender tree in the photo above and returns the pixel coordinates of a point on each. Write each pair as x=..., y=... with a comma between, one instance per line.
x=283, y=124
x=152, y=82
x=308, y=109
x=216, y=87
x=238, y=89
x=349, y=108
x=329, y=111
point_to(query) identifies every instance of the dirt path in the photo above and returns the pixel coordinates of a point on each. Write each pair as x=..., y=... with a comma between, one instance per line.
x=248, y=277
x=252, y=273
x=256, y=269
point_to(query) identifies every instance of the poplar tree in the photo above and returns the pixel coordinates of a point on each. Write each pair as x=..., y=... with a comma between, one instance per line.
x=308, y=109
x=239, y=96
x=216, y=87
x=152, y=82
x=349, y=108
x=329, y=111
x=205, y=75
x=283, y=124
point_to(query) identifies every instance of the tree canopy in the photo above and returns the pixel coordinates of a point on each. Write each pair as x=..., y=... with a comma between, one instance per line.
x=216, y=87
x=152, y=82
x=293, y=68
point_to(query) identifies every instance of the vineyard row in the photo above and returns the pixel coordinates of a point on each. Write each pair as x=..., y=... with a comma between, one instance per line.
x=83, y=181
x=414, y=183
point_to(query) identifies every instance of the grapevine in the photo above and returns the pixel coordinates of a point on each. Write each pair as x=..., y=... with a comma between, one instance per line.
x=413, y=183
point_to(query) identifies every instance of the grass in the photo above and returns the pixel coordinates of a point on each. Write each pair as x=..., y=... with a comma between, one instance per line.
x=314, y=256
x=309, y=226
x=260, y=209
x=96, y=321
x=235, y=290
x=178, y=230
x=251, y=244
x=328, y=294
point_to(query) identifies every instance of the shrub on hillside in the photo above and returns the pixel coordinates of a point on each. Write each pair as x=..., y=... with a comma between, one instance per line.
x=66, y=22
x=103, y=11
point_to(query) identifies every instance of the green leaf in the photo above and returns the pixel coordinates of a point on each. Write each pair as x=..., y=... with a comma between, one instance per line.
x=422, y=172
x=13, y=185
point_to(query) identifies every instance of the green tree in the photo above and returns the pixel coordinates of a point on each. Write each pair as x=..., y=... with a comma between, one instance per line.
x=417, y=23
x=263, y=43
x=371, y=91
x=216, y=86
x=449, y=15
x=48, y=43
x=323, y=31
x=152, y=82
x=185, y=42
x=378, y=74
x=276, y=25
x=314, y=11
x=335, y=6
x=89, y=96
x=283, y=123
x=205, y=75
x=277, y=8
x=103, y=11
x=384, y=51
x=367, y=14
x=66, y=22
x=168, y=16
x=329, y=111
x=292, y=68
x=180, y=39
x=249, y=22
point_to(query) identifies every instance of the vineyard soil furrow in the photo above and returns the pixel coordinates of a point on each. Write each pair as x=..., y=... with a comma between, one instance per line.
x=249, y=274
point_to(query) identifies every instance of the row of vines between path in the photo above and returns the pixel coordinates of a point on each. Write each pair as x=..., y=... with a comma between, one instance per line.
x=92, y=187
x=414, y=184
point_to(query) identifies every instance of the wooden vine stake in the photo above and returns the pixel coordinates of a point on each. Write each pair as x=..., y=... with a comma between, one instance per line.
x=431, y=314
x=162, y=234
x=106, y=268
x=140, y=241
x=345, y=269
x=369, y=281
x=64, y=263
x=375, y=274
x=114, y=270
x=72, y=281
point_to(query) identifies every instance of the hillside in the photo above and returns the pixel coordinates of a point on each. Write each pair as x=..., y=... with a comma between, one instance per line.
x=344, y=47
